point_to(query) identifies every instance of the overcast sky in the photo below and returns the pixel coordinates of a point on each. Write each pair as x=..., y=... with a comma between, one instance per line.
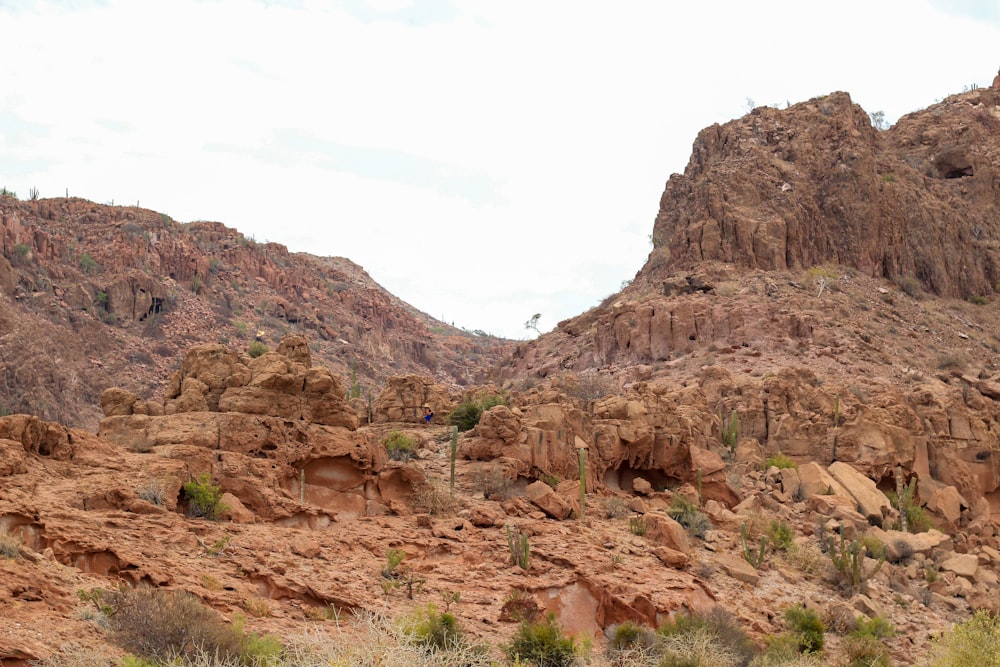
x=484, y=161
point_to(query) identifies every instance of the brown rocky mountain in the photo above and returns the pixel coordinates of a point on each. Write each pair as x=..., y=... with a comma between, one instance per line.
x=97, y=296
x=819, y=293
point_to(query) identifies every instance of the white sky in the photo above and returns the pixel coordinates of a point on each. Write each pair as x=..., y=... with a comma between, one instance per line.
x=483, y=161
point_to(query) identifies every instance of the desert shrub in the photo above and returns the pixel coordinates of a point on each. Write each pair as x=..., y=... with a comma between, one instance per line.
x=9, y=547
x=630, y=640
x=152, y=491
x=903, y=551
x=256, y=349
x=519, y=606
x=917, y=520
x=432, y=498
x=807, y=557
x=806, y=625
x=865, y=651
x=256, y=607
x=710, y=639
x=688, y=515
x=542, y=644
x=973, y=642
x=163, y=625
x=399, y=446
x=466, y=415
x=204, y=498
x=437, y=631
x=878, y=627
x=950, y=361
x=637, y=525
x=22, y=253
x=876, y=548
x=780, y=535
x=783, y=651
x=88, y=264
x=587, y=387
x=911, y=286
x=978, y=300
x=780, y=461
x=74, y=655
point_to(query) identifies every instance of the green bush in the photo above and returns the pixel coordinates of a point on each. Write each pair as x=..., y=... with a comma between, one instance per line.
x=688, y=515
x=864, y=646
x=628, y=638
x=973, y=642
x=468, y=412
x=399, y=446
x=542, y=644
x=204, y=498
x=780, y=461
x=256, y=349
x=783, y=651
x=916, y=517
x=437, y=631
x=88, y=264
x=807, y=626
x=780, y=535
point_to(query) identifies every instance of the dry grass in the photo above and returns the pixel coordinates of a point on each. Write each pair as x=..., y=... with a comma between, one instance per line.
x=433, y=498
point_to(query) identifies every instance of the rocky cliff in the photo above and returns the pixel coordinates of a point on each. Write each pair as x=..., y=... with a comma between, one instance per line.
x=95, y=296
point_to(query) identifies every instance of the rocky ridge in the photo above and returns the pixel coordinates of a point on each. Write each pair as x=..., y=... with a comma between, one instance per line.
x=118, y=292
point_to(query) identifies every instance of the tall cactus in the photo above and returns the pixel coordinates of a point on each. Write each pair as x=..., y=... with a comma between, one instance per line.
x=849, y=559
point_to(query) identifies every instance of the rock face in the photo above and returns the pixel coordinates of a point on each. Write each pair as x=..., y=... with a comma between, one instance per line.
x=75, y=275
x=816, y=183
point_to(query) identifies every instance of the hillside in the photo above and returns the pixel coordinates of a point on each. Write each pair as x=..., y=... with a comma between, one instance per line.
x=98, y=295
x=810, y=355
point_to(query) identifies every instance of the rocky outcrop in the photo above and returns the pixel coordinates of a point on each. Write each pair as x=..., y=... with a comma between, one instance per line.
x=816, y=183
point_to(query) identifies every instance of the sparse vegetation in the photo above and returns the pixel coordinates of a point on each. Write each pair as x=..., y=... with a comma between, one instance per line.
x=164, y=625
x=542, y=644
x=807, y=627
x=520, y=549
x=466, y=416
x=974, y=642
x=9, y=547
x=848, y=559
x=204, y=498
x=916, y=519
x=432, y=498
x=256, y=349
x=780, y=535
x=780, y=461
x=710, y=639
x=688, y=515
x=152, y=491
x=88, y=264
x=752, y=555
x=637, y=525
x=400, y=446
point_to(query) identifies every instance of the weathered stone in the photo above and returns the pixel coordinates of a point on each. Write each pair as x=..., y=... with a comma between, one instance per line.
x=872, y=503
x=664, y=531
x=738, y=568
x=547, y=500
x=814, y=480
x=964, y=565
x=948, y=503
